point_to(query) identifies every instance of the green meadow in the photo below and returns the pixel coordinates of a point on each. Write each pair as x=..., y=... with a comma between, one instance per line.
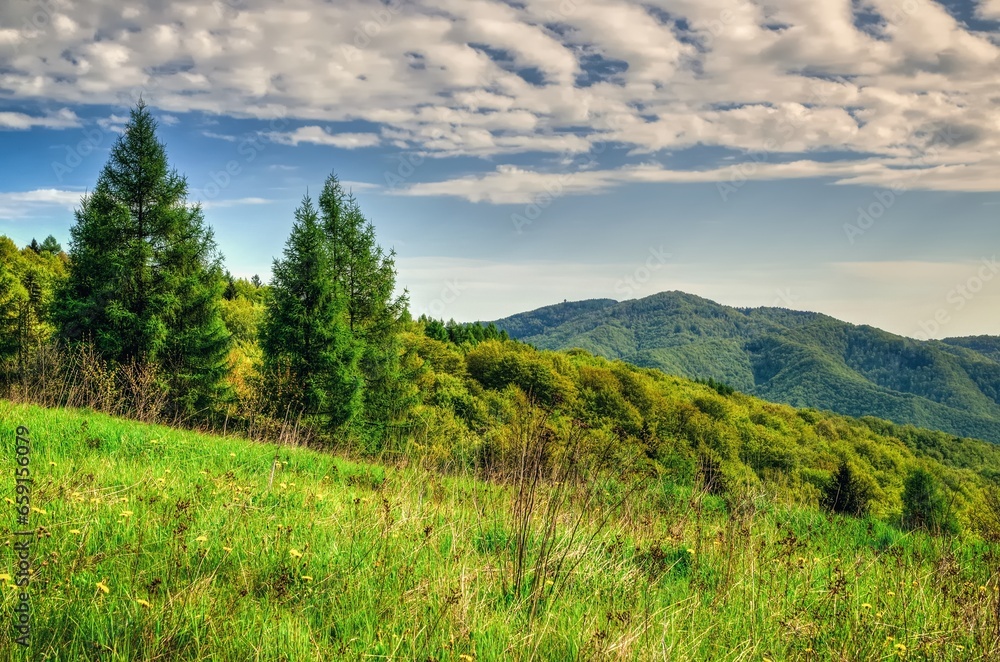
x=161, y=544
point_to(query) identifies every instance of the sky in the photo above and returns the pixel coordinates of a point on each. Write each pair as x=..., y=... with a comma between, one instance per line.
x=830, y=155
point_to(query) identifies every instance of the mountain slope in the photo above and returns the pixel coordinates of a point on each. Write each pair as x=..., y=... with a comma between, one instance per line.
x=800, y=358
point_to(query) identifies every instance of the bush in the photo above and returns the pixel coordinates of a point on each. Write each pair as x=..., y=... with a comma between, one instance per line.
x=924, y=507
x=846, y=493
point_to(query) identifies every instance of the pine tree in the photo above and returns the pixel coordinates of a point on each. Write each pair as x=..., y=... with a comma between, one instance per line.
x=145, y=278
x=50, y=245
x=305, y=328
x=924, y=507
x=366, y=276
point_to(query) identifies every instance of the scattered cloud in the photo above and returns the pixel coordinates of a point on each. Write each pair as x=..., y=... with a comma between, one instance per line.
x=319, y=136
x=62, y=119
x=235, y=202
x=490, y=77
x=39, y=202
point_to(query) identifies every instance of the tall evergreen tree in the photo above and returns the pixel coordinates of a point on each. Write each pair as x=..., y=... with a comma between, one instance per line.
x=305, y=328
x=366, y=276
x=50, y=245
x=145, y=278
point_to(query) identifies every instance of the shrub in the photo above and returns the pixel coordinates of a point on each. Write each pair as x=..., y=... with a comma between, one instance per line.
x=924, y=507
x=846, y=493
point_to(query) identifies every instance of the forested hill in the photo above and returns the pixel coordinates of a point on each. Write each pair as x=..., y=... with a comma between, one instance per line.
x=800, y=358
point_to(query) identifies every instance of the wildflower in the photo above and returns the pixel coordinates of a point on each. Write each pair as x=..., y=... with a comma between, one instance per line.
x=959, y=647
x=866, y=606
x=144, y=603
x=890, y=593
x=52, y=464
x=127, y=513
x=690, y=551
x=228, y=549
x=232, y=455
x=202, y=538
x=307, y=578
x=102, y=587
x=38, y=510
x=901, y=649
x=166, y=471
x=5, y=577
x=282, y=485
x=295, y=554
x=466, y=658
x=982, y=589
x=76, y=531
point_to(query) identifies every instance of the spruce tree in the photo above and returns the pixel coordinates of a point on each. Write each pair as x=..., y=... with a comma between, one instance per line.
x=305, y=328
x=366, y=276
x=50, y=245
x=145, y=277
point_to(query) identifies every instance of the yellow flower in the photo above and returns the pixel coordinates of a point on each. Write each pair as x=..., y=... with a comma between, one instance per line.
x=295, y=554
x=901, y=649
x=38, y=510
x=232, y=455
x=307, y=578
x=959, y=647
x=9, y=500
x=466, y=658
x=166, y=471
x=102, y=587
x=282, y=485
x=890, y=593
x=127, y=513
x=5, y=577
x=144, y=603
x=228, y=549
x=201, y=539
x=76, y=531
x=866, y=606
x=690, y=551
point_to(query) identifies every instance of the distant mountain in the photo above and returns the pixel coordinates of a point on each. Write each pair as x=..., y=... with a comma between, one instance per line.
x=800, y=358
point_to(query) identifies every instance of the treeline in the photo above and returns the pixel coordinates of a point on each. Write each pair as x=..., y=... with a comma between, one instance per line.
x=139, y=318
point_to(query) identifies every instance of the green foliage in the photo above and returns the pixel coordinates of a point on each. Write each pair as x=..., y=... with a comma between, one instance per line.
x=145, y=278
x=924, y=505
x=51, y=246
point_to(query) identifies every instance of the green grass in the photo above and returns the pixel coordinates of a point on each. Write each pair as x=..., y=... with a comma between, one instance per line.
x=205, y=558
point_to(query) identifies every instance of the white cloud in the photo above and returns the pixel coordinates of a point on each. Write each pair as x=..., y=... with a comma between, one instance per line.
x=319, y=136
x=39, y=202
x=990, y=9
x=489, y=77
x=63, y=119
x=235, y=202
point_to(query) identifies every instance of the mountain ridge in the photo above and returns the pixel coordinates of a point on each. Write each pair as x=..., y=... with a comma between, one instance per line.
x=802, y=358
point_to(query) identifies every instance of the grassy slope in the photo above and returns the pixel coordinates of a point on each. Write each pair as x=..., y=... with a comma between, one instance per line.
x=408, y=564
x=804, y=359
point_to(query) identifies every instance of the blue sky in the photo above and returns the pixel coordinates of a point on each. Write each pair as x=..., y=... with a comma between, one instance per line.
x=834, y=156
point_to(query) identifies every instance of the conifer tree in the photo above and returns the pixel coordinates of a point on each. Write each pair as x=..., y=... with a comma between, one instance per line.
x=50, y=245
x=305, y=328
x=145, y=279
x=366, y=276
x=12, y=301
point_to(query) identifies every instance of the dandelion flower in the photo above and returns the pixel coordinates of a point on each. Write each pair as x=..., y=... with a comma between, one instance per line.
x=901, y=649
x=890, y=593
x=144, y=603
x=690, y=551
x=166, y=471
x=201, y=538
x=307, y=578
x=5, y=577
x=866, y=606
x=127, y=513
x=295, y=554
x=52, y=464
x=282, y=485
x=959, y=647
x=466, y=658
x=228, y=549
x=38, y=510
x=76, y=531
x=102, y=587
x=232, y=455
